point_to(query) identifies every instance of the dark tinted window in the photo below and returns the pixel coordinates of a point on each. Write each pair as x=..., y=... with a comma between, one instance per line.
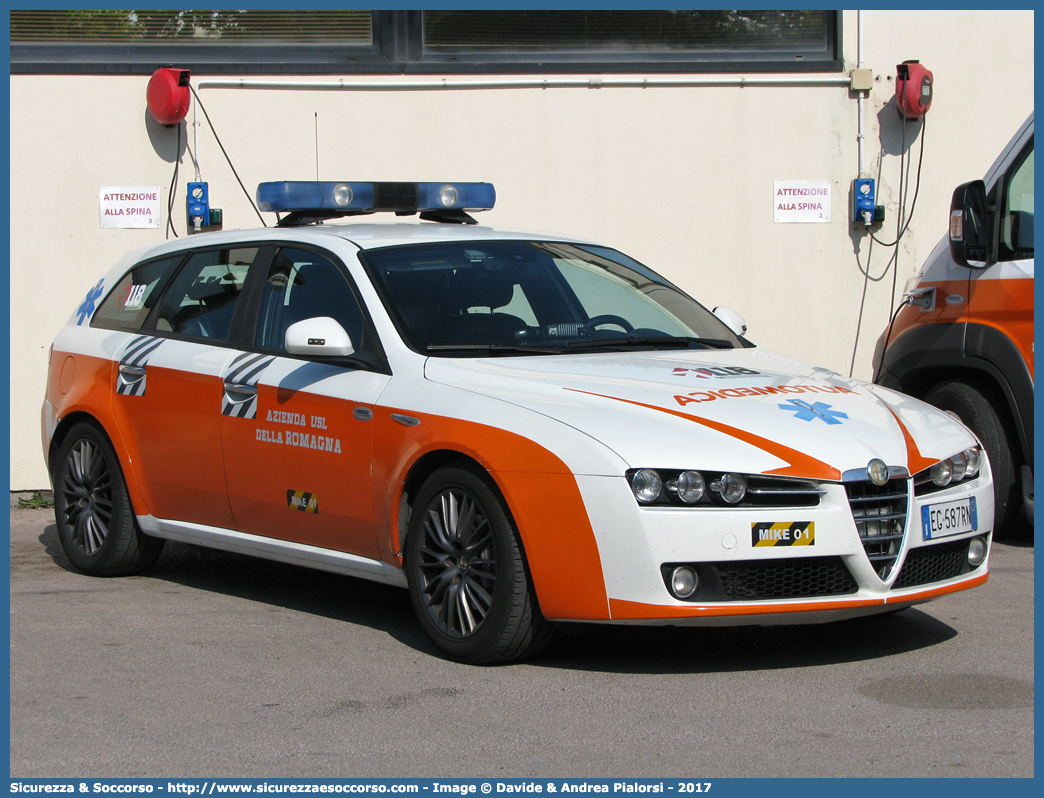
x=303, y=285
x=542, y=295
x=202, y=298
x=127, y=307
x=1016, y=234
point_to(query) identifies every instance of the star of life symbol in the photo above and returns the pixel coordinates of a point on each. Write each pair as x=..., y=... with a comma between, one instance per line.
x=810, y=412
x=87, y=308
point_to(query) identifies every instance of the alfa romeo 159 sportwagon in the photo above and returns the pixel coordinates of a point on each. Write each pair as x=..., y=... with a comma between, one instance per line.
x=518, y=429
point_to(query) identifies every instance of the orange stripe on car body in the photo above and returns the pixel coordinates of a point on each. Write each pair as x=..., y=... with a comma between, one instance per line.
x=1007, y=306
x=915, y=461
x=540, y=491
x=801, y=464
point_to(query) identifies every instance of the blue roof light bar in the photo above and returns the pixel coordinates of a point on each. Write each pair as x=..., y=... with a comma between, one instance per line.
x=344, y=198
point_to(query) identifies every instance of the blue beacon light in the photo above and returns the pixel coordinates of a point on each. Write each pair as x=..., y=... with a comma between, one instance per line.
x=346, y=198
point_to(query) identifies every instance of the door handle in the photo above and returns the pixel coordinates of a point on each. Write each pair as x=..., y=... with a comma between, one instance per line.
x=131, y=373
x=238, y=392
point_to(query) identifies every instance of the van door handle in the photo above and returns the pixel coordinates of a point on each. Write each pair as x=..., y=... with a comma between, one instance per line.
x=238, y=392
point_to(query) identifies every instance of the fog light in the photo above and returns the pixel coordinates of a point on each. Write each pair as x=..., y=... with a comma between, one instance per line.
x=342, y=194
x=691, y=486
x=976, y=552
x=941, y=472
x=646, y=485
x=733, y=488
x=683, y=581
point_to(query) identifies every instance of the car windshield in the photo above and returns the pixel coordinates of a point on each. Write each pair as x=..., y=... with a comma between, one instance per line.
x=526, y=297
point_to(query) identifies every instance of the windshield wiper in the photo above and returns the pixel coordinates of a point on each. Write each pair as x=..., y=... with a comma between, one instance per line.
x=638, y=341
x=491, y=349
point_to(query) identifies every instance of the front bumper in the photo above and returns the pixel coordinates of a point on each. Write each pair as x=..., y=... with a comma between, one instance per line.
x=808, y=582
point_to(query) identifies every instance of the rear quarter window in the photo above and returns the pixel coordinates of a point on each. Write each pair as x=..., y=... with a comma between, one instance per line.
x=129, y=303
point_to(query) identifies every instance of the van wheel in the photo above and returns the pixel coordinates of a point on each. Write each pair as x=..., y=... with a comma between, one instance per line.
x=468, y=581
x=96, y=524
x=970, y=403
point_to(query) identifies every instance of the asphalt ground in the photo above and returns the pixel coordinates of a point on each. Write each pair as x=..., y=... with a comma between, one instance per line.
x=219, y=665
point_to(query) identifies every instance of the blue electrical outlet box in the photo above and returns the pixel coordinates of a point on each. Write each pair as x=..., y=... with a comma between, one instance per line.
x=865, y=193
x=198, y=206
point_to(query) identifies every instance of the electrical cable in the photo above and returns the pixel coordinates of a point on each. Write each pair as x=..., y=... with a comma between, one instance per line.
x=173, y=189
x=902, y=224
x=917, y=189
x=222, y=146
x=891, y=322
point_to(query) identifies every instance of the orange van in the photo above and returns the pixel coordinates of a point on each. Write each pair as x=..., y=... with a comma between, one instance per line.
x=964, y=339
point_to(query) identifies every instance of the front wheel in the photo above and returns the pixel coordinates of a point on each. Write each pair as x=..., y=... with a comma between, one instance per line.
x=96, y=524
x=467, y=579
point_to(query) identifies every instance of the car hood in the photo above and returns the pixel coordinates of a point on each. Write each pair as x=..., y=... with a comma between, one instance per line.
x=743, y=410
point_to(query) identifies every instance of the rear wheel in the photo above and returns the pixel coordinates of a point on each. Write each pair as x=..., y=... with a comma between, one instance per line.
x=96, y=524
x=971, y=403
x=467, y=577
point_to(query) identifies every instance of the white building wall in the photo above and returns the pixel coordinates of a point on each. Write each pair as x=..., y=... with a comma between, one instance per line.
x=680, y=178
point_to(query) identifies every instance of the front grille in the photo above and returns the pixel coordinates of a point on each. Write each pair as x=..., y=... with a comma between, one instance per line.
x=754, y=580
x=934, y=564
x=880, y=513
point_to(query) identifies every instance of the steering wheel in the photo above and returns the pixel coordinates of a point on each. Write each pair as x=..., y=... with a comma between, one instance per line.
x=608, y=318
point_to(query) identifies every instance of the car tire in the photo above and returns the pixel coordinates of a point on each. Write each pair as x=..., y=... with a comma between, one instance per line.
x=971, y=403
x=96, y=523
x=468, y=581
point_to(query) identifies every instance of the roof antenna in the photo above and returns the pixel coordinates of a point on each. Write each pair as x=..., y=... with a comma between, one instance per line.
x=316, y=146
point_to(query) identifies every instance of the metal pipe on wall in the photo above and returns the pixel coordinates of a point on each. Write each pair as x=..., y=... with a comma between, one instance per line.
x=527, y=83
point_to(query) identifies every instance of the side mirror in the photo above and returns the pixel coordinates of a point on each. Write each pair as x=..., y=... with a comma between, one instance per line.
x=731, y=319
x=970, y=243
x=318, y=337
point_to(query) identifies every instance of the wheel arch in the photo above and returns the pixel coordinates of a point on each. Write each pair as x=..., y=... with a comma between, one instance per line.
x=924, y=357
x=557, y=542
x=419, y=472
x=61, y=432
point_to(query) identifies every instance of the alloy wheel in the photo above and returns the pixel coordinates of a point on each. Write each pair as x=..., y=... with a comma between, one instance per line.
x=87, y=493
x=457, y=562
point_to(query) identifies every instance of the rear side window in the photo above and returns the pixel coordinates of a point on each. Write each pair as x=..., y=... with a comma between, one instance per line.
x=127, y=307
x=202, y=298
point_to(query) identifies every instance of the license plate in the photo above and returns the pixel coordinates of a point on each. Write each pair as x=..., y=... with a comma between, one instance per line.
x=951, y=518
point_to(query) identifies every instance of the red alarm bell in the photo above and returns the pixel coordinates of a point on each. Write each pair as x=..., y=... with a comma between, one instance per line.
x=168, y=95
x=913, y=89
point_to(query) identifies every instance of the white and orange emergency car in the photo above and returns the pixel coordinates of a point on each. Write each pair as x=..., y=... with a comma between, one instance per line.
x=519, y=429
x=964, y=341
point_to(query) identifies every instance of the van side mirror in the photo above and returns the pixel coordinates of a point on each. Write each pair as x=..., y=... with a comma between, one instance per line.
x=970, y=243
x=318, y=337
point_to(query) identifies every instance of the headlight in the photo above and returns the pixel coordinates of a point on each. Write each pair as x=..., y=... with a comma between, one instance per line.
x=733, y=487
x=646, y=485
x=690, y=486
x=672, y=487
x=954, y=470
x=941, y=473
